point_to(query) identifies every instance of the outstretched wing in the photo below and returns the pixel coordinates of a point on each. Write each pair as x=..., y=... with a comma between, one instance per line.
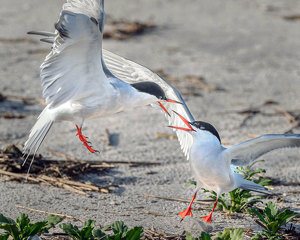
x=131, y=73
x=74, y=67
x=246, y=152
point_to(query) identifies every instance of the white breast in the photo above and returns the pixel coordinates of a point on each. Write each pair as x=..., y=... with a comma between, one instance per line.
x=207, y=163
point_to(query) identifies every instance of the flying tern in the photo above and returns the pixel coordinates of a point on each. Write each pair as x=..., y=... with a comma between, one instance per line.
x=214, y=165
x=76, y=83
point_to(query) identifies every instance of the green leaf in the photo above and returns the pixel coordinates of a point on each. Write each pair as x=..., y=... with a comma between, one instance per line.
x=98, y=233
x=273, y=209
x=51, y=221
x=22, y=222
x=205, y=236
x=192, y=182
x=4, y=236
x=119, y=227
x=11, y=229
x=134, y=233
x=255, y=212
x=189, y=236
x=237, y=234
x=71, y=230
x=257, y=236
x=225, y=235
x=286, y=216
x=6, y=220
x=34, y=229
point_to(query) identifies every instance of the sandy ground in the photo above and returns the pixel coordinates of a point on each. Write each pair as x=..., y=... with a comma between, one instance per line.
x=246, y=47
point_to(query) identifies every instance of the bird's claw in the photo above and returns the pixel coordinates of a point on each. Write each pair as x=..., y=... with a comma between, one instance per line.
x=207, y=218
x=84, y=140
x=186, y=212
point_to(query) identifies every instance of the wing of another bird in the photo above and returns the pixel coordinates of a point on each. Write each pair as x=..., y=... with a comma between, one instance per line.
x=131, y=73
x=246, y=152
x=73, y=68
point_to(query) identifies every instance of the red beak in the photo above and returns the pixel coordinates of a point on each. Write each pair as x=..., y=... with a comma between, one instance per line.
x=189, y=129
x=168, y=101
x=171, y=101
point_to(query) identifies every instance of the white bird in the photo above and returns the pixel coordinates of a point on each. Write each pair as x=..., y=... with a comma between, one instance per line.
x=76, y=83
x=213, y=165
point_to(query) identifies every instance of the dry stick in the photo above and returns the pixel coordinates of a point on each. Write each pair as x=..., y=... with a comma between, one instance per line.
x=289, y=116
x=18, y=175
x=179, y=199
x=107, y=137
x=164, y=135
x=49, y=213
x=85, y=186
x=292, y=120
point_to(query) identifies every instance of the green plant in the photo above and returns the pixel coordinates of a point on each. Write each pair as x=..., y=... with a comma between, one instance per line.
x=227, y=234
x=22, y=228
x=120, y=231
x=271, y=219
x=238, y=199
x=230, y=234
x=4, y=236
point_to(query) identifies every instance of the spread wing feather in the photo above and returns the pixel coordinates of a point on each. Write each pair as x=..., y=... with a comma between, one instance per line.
x=131, y=73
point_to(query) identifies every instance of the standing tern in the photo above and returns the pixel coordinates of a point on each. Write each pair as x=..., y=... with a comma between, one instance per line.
x=213, y=165
x=76, y=83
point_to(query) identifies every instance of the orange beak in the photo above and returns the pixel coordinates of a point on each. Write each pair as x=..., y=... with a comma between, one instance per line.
x=189, y=129
x=168, y=101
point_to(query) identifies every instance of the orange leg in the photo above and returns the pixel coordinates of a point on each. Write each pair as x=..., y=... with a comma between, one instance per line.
x=208, y=217
x=188, y=211
x=84, y=141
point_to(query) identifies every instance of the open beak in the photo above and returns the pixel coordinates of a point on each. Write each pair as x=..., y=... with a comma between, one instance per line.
x=189, y=129
x=171, y=101
x=167, y=101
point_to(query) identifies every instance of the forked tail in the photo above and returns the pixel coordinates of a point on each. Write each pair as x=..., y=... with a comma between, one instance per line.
x=249, y=185
x=37, y=134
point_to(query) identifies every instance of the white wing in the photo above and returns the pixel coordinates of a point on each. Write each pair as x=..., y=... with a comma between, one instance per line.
x=73, y=67
x=131, y=72
x=246, y=152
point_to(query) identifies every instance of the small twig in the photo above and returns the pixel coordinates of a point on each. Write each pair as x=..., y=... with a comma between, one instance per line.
x=107, y=137
x=253, y=135
x=289, y=116
x=19, y=176
x=179, y=199
x=164, y=135
x=49, y=213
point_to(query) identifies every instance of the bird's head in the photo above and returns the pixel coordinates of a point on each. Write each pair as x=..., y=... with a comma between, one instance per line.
x=153, y=89
x=196, y=127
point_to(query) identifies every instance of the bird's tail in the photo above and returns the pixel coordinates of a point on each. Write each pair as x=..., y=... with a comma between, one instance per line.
x=249, y=185
x=37, y=134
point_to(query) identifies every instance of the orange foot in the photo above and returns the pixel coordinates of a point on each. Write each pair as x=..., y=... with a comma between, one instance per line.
x=84, y=141
x=207, y=218
x=186, y=212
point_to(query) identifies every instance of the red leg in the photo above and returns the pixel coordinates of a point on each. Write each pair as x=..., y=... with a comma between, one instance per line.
x=188, y=211
x=208, y=217
x=80, y=135
x=84, y=141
